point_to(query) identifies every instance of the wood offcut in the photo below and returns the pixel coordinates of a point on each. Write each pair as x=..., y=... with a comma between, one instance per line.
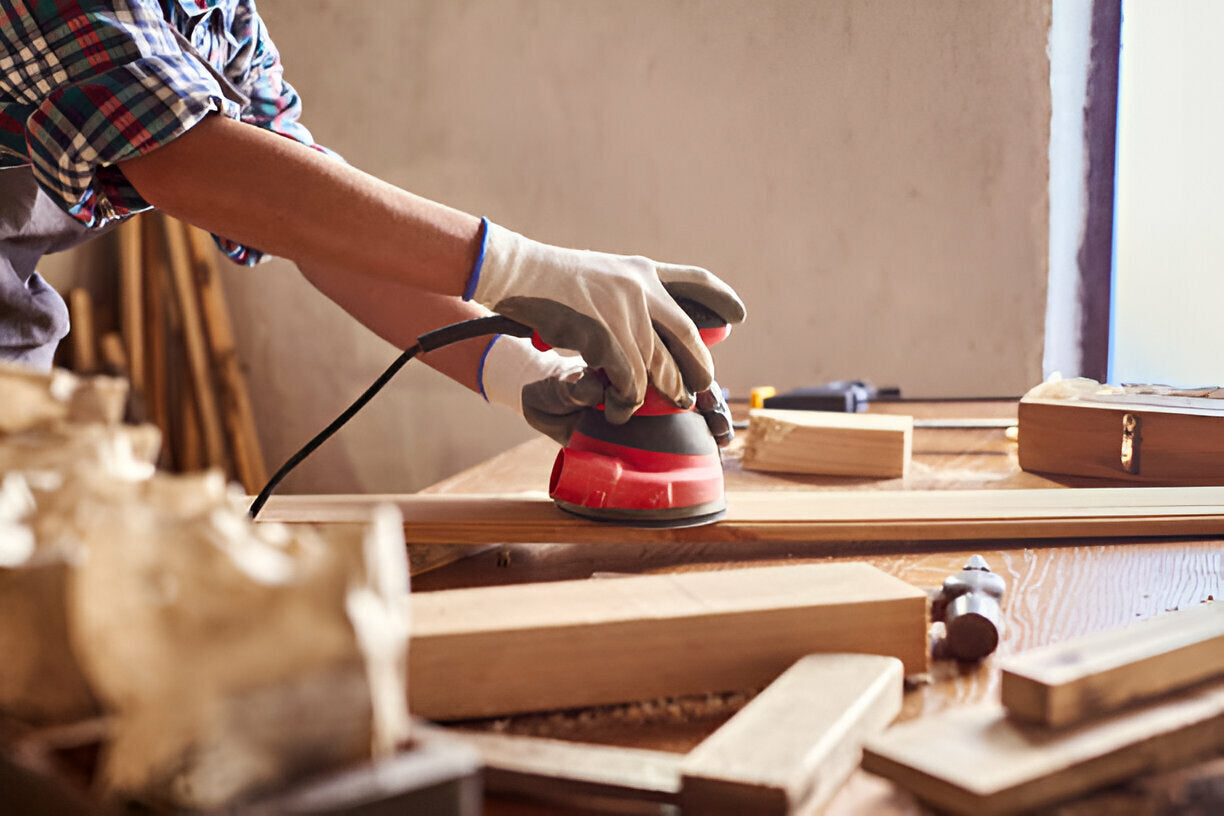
x=1077, y=679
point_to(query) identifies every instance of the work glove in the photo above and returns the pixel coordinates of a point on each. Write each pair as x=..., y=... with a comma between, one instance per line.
x=552, y=391
x=617, y=311
x=549, y=390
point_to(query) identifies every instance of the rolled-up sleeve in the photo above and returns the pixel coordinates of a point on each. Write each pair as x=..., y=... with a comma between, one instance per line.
x=102, y=82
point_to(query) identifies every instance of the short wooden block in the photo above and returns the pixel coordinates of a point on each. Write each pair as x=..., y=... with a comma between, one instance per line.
x=796, y=742
x=1173, y=440
x=977, y=760
x=1081, y=678
x=501, y=650
x=828, y=442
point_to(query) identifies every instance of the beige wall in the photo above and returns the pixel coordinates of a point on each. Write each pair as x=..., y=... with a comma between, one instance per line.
x=871, y=177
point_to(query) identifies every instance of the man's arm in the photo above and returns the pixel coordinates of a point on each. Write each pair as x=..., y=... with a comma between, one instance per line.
x=269, y=192
x=400, y=313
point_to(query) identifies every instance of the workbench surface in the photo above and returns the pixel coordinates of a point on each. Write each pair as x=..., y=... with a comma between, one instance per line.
x=1055, y=588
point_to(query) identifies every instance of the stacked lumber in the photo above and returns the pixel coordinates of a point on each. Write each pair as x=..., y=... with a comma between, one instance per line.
x=1074, y=717
x=174, y=342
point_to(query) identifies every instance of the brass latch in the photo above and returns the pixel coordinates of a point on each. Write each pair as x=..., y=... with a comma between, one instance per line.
x=1130, y=442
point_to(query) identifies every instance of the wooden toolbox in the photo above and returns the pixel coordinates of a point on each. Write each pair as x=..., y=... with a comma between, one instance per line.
x=1130, y=437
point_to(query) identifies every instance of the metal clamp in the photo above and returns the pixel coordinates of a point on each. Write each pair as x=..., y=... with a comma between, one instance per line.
x=1130, y=442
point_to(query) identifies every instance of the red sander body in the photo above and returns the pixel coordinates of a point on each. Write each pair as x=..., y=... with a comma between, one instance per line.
x=662, y=468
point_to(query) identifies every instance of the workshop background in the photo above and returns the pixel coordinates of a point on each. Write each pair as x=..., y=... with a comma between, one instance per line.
x=872, y=177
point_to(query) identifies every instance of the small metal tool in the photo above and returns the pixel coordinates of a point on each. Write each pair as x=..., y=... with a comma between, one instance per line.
x=969, y=604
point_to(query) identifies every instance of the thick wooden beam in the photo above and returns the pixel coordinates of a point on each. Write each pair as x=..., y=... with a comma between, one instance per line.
x=1085, y=677
x=828, y=442
x=795, y=743
x=501, y=650
x=798, y=516
x=1170, y=440
x=977, y=760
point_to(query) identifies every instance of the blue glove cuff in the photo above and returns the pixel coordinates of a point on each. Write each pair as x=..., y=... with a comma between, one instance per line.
x=481, y=366
x=474, y=278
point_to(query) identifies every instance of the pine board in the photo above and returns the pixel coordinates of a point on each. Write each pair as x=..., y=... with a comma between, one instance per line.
x=826, y=442
x=796, y=742
x=501, y=650
x=799, y=516
x=1085, y=677
x=976, y=760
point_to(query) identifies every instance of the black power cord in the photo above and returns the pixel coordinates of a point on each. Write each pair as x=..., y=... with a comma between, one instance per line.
x=436, y=339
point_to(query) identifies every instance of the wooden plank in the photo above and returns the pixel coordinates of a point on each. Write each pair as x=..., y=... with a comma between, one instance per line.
x=796, y=742
x=567, y=772
x=1182, y=443
x=236, y=409
x=977, y=760
x=156, y=280
x=83, y=337
x=798, y=516
x=829, y=443
x=131, y=300
x=1088, y=676
x=196, y=342
x=500, y=650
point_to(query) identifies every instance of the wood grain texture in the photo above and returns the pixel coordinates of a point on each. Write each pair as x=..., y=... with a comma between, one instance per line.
x=977, y=760
x=1179, y=443
x=829, y=443
x=499, y=650
x=796, y=742
x=819, y=516
x=1085, y=677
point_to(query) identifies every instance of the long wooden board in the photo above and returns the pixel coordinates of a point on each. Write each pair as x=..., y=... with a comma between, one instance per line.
x=795, y=743
x=501, y=650
x=800, y=516
x=1088, y=676
x=977, y=760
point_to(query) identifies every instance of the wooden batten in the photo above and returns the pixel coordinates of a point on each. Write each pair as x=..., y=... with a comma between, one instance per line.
x=507, y=649
x=794, y=744
x=827, y=442
x=1085, y=677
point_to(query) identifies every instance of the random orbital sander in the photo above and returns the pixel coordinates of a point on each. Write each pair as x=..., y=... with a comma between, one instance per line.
x=662, y=468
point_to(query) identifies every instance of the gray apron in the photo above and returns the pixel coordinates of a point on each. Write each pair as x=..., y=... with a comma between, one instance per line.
x=33, y=316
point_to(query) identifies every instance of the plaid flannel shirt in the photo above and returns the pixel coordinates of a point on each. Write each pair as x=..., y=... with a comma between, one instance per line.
x=84, y=85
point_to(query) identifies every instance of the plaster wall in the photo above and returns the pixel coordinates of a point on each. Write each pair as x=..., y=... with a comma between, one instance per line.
x=870, y=176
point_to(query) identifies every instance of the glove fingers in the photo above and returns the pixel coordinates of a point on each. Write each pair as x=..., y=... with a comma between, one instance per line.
x=563, y=327
x=691, y=360
x=700, y=285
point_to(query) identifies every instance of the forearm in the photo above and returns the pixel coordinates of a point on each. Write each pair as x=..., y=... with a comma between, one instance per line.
x=269, y=192
x=400, y=313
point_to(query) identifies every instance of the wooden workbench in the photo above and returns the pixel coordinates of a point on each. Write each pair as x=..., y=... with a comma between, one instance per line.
x=1055, y=589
